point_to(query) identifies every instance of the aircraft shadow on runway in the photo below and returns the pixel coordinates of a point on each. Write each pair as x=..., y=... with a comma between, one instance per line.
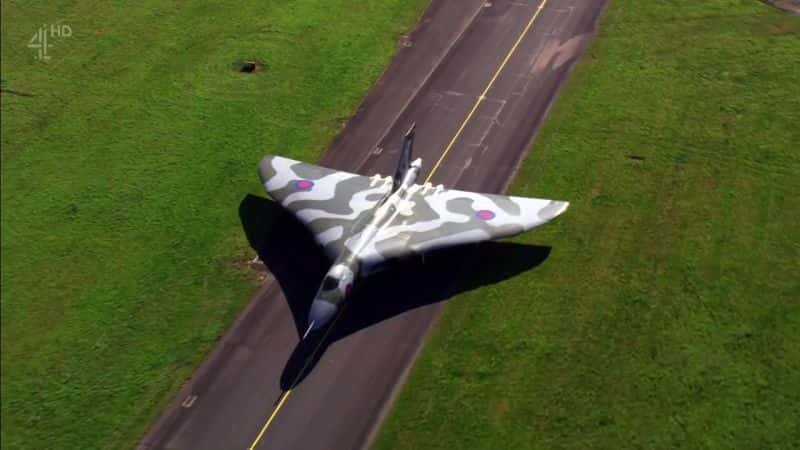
x=288, y=250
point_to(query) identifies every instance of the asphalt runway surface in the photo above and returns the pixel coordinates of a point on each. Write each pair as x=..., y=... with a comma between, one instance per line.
x=478, y=78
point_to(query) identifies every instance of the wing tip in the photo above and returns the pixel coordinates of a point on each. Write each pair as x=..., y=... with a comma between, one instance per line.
x=265, y=169
x=267, y=166
x=564, y=205
x=553, y=209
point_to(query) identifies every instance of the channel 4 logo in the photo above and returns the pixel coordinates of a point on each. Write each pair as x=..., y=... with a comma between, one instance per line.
x=42, y=39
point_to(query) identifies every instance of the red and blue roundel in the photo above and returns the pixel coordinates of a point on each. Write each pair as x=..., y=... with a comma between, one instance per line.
x=304, y=185
x=485, y=214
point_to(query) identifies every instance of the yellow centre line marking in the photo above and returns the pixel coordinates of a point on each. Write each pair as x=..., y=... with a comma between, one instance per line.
x=481, y=98
x=288, y=392
x=284, y=396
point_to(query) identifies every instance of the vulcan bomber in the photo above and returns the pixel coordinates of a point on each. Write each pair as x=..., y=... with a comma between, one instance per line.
x=362, y=223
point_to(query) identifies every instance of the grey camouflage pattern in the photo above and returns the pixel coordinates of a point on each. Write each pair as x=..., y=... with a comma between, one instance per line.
x=339, y=201
x=346, y=214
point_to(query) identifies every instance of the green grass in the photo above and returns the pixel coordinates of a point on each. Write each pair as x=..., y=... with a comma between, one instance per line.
x=668, y=312
x=123, y=165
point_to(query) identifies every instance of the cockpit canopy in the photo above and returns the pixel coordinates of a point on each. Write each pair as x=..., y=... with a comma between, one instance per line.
x=330, y=283
x=337, y=279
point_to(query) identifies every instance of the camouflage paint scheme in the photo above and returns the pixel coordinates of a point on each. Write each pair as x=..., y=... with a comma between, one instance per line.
x=362, y=223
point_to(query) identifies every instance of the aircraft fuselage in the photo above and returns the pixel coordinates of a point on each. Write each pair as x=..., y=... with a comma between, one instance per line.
x=347, y=268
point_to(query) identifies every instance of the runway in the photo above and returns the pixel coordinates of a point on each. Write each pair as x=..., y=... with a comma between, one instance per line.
x=478, y=78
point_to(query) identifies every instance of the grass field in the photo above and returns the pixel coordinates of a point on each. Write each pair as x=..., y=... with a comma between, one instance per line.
x=124, y=159
x=668, y=312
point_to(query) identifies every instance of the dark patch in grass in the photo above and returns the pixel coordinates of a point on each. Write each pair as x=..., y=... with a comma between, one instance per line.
x=249, y=66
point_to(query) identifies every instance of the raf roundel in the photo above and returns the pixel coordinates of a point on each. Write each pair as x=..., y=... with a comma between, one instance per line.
x=485, y=214
x=304, y=185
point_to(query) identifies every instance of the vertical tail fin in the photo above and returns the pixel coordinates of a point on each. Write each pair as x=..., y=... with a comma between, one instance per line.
x=405, y=157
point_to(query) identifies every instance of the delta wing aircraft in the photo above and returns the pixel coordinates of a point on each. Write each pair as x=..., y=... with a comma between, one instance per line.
x=363, y=222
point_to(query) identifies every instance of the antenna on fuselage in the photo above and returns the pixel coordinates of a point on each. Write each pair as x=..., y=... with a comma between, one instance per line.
x=405, y=157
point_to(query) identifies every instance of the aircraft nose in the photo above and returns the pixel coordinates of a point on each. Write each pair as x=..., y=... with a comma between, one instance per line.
x=321, y=313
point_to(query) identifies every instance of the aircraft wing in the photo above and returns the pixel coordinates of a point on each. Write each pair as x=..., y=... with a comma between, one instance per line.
x=435, y=218
x=329, y=202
